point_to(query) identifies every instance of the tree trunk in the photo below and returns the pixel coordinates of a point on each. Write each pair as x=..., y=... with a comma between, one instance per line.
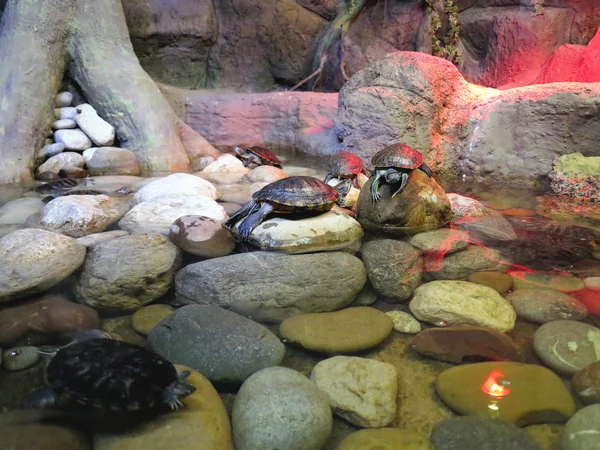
x=104, y=65
x=33, y=36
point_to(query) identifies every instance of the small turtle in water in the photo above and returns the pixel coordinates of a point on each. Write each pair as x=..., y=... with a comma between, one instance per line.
x=256, y=155
x=112, y=375
x=288, y=195
x=344, y=165
x=59, y=188
x=394, y=164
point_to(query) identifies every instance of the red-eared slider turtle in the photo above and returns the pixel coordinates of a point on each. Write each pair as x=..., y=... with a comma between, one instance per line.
x=288, y=195
x=394, y=164
x=112, y=375
x=344, y=165
x=257, y=155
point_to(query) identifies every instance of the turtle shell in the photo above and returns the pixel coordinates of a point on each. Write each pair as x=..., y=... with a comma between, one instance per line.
x=299, y=192
x=110, y=374
x=398, y=155
x=265, y=154
x=344, y=164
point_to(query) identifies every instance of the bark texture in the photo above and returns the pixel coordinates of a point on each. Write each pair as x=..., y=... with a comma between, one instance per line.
x=105, y=67
x=33, y=36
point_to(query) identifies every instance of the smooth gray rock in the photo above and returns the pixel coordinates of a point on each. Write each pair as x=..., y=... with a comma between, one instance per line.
x=480, y=433
x=394, y=268
x=68, y=112
x=221, y=345
x=64, y=99
x=567, y=346
x=20, y=358
x=51, y=150
x=541, y=305
x=459, y=265
x=269, y=287
x=582, y=431
x=279, y=408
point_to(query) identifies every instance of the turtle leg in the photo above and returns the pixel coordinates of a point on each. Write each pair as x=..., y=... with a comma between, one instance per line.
x=425, y=168
x=253, y=220
x=177, y=390
x=403, y=180
x=355, y=182
x=375, y=195
x=249, y=208
x=42, y=398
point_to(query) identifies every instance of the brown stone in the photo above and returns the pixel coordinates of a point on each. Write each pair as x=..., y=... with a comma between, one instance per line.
x=202, y=236
x=500, y=282
x=421, y=206
x=42, y=320
x=48, y=430
x=464, y=344
x=348, y=330
x=586, y=383
x=385, y=439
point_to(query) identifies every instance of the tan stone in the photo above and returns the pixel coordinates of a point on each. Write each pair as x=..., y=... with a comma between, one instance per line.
x=146, y=318
x=498, y=281
x=202, y=423
x=385, y=439
x=527, y=398
x=348, y=330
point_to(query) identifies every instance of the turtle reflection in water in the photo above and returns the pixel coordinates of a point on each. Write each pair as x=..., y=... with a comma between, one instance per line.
x=286, y=196
x=111, y=375
x=68, y=186
x=393, y=165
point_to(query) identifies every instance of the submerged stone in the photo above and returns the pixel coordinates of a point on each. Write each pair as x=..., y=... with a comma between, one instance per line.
x=146, y=318
x=524, y=393
x=562, y=283
x=586, y=383
x=480, y=433
x=462, y=264
x=404, y=322
x=543, y=305
x=444, y=240
x=385, y=439
x=222, y=345
x=446, y=302
x=278, y=394
x=269, y=287
x=582, y=430
x=500, y=282
x=567, y=346
x=462, y=344
x=348, y=330
x=341, y=377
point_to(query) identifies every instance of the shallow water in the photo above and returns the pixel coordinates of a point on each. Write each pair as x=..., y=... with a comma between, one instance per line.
x=543, y=246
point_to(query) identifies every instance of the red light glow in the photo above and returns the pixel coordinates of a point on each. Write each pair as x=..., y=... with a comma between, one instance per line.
x=492, y=387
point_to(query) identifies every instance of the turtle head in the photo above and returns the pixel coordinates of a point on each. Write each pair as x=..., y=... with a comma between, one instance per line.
x=392, y=176
x=86, y=335
x=178, y=389
x=125, y=190
x=239, y=151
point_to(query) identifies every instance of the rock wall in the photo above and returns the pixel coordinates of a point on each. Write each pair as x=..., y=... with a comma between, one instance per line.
x=258, y=46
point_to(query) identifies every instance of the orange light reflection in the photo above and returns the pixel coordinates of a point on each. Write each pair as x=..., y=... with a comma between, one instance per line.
x=492, y=387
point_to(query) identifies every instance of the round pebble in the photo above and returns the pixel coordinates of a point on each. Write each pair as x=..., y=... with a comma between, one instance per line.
x=543, y=305
x=404, y=322
x=64, y=124
x=479, y=433
x=582, y=431
x=500, y=282
x=20, y=358
x=64, y=99
x=202, y=236
x=279, y=408
x=586, y=383
x=567, y=346
x=146, y=318
x=385, y=439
